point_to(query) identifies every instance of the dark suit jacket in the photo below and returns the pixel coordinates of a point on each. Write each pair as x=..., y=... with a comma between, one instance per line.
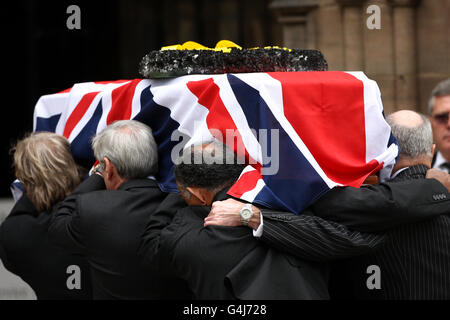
x=228, y=262
x=414, y=262
x=383, y=206
x=26, y=251
x=373, y=208
x=106, y=226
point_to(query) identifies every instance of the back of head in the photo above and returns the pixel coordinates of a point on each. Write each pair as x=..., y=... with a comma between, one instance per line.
x=212, y=166
x=413, y=133
x=130, y=146
x=442, y=89
x=44, y=164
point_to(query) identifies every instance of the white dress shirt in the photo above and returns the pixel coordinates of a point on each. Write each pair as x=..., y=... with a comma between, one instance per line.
x=440, y=163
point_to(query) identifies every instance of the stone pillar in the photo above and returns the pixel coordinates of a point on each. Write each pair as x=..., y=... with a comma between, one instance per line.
x=379, y=54
x=405, y=48
x=353, y=34
x=433, y=42
x=330, y=33
x=297, y=30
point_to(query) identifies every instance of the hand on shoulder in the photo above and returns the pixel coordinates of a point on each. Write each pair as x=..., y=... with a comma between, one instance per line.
x=440, y=176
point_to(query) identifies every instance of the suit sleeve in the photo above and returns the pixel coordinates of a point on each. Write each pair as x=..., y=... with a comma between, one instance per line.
x=383, y=206
x=150, y=247
x=313, y=238
x=3, y=256
x=11, y=241
x=65, y=229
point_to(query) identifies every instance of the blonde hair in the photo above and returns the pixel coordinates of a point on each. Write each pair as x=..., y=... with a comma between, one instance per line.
x=44, y=165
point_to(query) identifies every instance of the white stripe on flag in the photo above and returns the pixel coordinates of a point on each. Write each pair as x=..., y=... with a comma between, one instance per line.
x=78, y=91
x=50, y=105
x=106, y=107
x=85, y=119
x=377, y=130
x=136, y=103
x=251, y=194
x=182, y=103
x=106, y=96
x=235, y=109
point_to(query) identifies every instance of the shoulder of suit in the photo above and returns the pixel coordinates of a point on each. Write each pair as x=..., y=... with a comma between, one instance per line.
x=23, y=206
x=101, y=203
x=20, y=230
x=139, y=190
x=25, y=215
x=187, y=215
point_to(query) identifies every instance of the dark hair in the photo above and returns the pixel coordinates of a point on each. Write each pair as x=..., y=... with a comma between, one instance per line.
x=211, y=170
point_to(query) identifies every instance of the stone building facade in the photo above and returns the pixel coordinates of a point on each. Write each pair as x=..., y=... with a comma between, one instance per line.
x=407, y=56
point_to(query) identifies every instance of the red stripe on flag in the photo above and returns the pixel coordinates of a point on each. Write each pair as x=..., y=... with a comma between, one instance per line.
x=326, y=110
x=78, y=113
x=122, y=99
x=245, y=183
x=375, y=166
x=218, y=117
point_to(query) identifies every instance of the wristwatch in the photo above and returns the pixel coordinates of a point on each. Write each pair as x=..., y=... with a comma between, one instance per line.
x=246, y=213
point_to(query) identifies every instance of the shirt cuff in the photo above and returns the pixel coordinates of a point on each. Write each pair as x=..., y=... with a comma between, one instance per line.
x=258, y=232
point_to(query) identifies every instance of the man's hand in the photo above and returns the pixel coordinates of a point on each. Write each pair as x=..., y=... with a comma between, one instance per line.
x=97, y=170
x=440, y=176
x=226, y=213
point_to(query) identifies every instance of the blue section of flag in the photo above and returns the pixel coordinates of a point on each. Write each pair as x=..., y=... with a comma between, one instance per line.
x=16, y=190
x=393, y=140
x=83, y=153
x=295, y=172
x=47, y=124
x=158, y=118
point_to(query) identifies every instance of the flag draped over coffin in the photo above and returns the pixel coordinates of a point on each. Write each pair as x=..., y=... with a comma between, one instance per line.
x=330, y=127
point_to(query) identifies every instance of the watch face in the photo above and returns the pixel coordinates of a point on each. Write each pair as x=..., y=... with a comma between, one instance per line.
x=246, y=214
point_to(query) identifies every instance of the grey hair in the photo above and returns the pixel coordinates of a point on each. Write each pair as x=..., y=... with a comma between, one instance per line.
x=130, y=146
x=413, y=141
x=442, y=89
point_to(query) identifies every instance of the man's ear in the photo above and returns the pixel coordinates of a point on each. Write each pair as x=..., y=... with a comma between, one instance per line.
x=433, y=150
x=110, y=169
x=112, y=178
x=200, y=194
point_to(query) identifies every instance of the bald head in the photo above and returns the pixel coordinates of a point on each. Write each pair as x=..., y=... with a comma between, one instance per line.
x=414, y=136
x=407, y=118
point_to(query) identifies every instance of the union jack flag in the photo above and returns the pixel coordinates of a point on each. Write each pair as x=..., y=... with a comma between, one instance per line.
x=330, y=126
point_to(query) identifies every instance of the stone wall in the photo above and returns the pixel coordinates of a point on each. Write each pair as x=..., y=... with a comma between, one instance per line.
x=407, y=56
